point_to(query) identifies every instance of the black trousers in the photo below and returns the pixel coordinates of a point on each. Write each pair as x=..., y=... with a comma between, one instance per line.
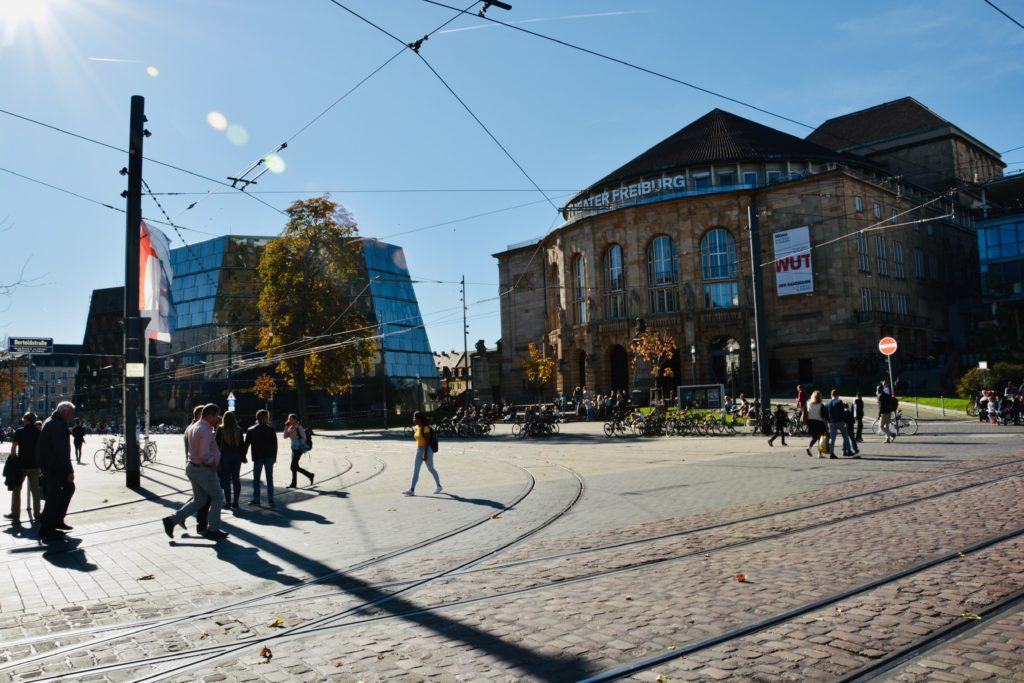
x=296, y=470
x=779, y=431
x=860, y=428
x=58, y=492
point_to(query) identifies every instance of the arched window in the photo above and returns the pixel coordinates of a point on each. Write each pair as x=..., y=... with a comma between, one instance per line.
x=579, y=289
x=718, y=269
x=662, y=274
x=614, y=284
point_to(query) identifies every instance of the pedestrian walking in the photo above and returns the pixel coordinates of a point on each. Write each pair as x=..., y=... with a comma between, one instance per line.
x=816, y=421
x=780, y=419
x=23, y=459
x=53, y=450
x=858, y=417
x=886, y=405
x=836, y=411
x=848, y=420
x=261, y=443
x=801, y=399
x=230, y=442
x=203, y=463
x=78, y=437
x=294, y=432
x=424, y=453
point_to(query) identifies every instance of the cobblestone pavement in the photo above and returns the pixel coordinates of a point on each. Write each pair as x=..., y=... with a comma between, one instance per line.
x=660, y=520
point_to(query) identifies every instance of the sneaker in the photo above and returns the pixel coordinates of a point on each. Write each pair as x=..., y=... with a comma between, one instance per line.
x=271, y=504
x=833, y=456
x=438, y=490
x=64, y=527
x=408, y=493
x=13, y=518
x=234, y=505
x=215, y=535
x=770, y=443
x=808, y=452
x=168, y=526
x=200, y=529
x=310, y=478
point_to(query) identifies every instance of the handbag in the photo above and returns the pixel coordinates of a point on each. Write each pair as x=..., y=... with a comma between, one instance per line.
x=823, y=444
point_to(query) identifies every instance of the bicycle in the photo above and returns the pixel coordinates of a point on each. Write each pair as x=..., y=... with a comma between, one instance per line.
x=900, y=425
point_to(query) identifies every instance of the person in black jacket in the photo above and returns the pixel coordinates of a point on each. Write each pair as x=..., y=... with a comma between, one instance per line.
x=858, y=417
x=54, y=453
x=261, y=440
x=23, y=460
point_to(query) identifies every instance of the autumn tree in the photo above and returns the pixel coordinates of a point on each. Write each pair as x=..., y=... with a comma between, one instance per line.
x=314, y=300
x=656, y=349
x=12, y=380
x=265, y=386
x=539, y=368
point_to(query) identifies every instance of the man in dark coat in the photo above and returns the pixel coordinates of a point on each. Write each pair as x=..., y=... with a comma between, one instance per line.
x=858, y=417
x=261, y=440
x=53, y=451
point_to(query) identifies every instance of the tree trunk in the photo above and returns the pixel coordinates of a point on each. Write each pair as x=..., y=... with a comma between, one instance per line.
x=302, y=395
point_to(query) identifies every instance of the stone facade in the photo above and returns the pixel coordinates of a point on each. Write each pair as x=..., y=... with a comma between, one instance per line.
x=889, y=259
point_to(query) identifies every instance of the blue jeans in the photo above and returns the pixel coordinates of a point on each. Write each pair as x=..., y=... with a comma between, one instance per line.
x=268, y=467
x=833, y=429
x=205, y=487
x=429, y=460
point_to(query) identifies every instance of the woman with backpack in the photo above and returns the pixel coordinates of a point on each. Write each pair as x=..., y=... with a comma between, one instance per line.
x=294, y=432
x=230, y=441
x=425, y=439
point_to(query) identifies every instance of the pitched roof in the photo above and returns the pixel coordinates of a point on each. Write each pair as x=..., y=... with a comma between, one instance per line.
x=717, y=137
x=880, y=122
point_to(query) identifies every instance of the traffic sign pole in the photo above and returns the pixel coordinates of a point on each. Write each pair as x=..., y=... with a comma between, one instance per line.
x=887, y=346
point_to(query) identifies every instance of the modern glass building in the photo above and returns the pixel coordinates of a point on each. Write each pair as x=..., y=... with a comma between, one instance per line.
x=1001, y=253
x=408, y=360
x=215, y=291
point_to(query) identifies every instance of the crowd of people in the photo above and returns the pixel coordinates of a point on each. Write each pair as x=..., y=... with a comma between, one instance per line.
x=1001, y=408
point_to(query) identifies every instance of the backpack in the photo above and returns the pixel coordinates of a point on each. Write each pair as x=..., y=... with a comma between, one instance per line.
x=432, y=439
x=309, y=440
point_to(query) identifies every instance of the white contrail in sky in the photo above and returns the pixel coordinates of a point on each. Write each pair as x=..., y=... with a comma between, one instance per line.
x=541, y=19
x=114, y=59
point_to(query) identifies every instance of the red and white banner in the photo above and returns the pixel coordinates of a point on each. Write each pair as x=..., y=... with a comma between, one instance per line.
x=155, y=275
x=793, y=274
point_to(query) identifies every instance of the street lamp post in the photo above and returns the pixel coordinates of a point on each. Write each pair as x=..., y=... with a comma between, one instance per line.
x=693, y=363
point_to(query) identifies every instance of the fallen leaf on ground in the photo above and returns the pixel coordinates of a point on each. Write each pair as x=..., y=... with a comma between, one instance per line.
x=278, y=623
x=970, y=616
x=147, y=577
x=961, y=553
x=741, y=577
x=104, y=501
x=662, y=679
x=338, y=664
x=496, y=517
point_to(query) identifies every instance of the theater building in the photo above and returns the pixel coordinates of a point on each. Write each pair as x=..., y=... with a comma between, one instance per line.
x=863, y=232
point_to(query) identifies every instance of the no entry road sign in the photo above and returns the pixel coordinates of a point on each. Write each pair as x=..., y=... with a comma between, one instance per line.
x=887, y=346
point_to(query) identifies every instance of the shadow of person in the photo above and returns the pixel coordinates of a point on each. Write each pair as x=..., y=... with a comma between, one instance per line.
x=280, y=516
x=249, y=560
x=472, y=501
x=67, y=554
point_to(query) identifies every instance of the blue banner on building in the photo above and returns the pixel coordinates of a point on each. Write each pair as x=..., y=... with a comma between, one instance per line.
x=33, y=345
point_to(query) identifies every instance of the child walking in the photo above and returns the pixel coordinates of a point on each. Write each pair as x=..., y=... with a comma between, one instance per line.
x=781, y=421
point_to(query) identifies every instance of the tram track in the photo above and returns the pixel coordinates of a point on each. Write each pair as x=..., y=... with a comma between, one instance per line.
x=329, y=623
x=139, y=627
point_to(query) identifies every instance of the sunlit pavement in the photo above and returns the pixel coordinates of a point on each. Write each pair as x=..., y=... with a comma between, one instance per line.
x=349, y=580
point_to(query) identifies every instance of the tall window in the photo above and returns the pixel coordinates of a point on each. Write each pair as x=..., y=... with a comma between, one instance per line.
x=884, y=302
x=897, y=261
x=919, y=263
x=718, y=269
x=863, y=258
x=876, y=208
x=614, y=284
x=858, y=203
x=579, y=288
x=662, y=275
x=881, y=257
x=901, y=304
x=865, y=299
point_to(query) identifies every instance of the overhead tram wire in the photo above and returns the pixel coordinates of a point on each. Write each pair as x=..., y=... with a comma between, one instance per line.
x=415, y=47
x=91, y=200
x=124, y=151
x=481, y=190
x=242, y=176
x=996, y=8
x=664, y=76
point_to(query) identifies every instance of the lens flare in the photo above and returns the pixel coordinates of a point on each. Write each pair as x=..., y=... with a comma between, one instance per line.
x=217, y=120
x=237, y=135
x=152, y=71
x=274, y=163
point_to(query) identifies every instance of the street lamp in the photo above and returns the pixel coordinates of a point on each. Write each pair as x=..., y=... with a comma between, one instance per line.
x=753, y=366
x=693, y=363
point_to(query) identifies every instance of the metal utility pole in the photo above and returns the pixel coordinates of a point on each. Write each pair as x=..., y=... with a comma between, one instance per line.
x=465, y=341
x=761, y=380
x=134, y=364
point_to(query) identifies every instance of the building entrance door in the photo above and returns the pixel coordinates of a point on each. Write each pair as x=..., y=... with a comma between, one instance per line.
x=725, y=362
x=618, y=362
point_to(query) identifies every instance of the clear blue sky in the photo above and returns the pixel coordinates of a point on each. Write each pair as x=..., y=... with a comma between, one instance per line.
x=568, y=118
